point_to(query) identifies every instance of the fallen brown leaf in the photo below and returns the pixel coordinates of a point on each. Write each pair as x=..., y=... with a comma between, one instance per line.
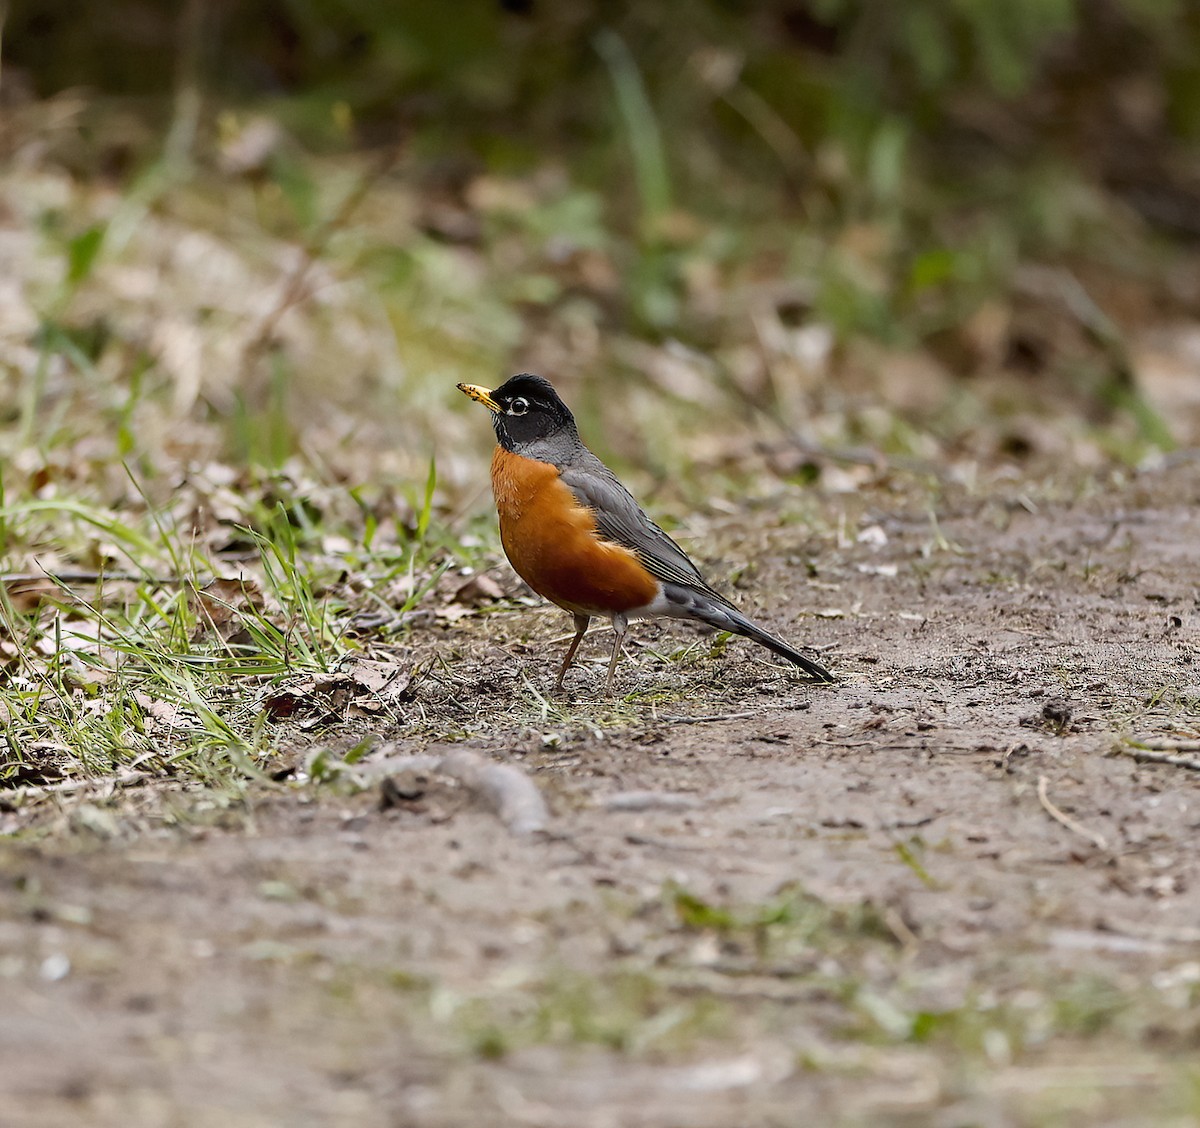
x=479, y=589
x=222, y=605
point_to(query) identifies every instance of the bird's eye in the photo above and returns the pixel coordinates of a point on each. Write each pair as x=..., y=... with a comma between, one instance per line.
x=518, y=406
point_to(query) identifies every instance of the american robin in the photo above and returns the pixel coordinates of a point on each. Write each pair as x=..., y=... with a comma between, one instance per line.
x=576, y=536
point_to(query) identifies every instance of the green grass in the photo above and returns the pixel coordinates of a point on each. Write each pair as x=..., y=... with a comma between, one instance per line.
x=168, y=666
x=626, y=1010
x=696, y=972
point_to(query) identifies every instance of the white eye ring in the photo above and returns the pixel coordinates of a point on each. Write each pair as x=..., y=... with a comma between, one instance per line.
x=518, y=406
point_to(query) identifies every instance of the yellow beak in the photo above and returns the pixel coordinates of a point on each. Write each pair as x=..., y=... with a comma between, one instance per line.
x=480, y=395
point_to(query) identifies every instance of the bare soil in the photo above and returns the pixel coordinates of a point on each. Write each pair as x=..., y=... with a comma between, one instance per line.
x=940, y=892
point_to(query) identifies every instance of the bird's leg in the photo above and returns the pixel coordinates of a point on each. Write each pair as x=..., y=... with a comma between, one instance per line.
x=620, y=625
x=581, y=626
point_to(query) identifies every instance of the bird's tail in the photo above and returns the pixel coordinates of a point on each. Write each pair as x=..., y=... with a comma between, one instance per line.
x=750, y=630
x=728, y=618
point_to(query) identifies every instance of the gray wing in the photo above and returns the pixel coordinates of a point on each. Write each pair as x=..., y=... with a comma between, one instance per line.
x=620, y=519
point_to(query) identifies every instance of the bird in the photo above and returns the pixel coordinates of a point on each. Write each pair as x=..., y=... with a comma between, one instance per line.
x=578, y=538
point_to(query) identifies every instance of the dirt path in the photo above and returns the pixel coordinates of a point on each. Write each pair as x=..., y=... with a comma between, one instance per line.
x=937, y=893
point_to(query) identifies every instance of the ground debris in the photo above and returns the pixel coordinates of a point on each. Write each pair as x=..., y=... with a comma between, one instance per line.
x=503, y=788
x=1061, y=817
x=1164, y=752
x=1055, y=717
x=362, y=687
x=226, y=605
x=648, y=801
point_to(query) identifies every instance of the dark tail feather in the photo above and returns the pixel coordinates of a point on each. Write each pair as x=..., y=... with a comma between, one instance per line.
x=743, y=626
x=692, y=604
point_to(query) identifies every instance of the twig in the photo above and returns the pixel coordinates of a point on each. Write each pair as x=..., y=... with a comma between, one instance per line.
x=855, y=456
x=1153, y=756
x=772, y=986
x=1008, y=754
x=1058, y=816
x=1167, y=745
x=1044, y=282
x=1163, y=934
x=712, y=718
x=899, y=928
x=87, y=578
x=648, y=801
x=66, y=786
x=295, y=282
x=654, y=842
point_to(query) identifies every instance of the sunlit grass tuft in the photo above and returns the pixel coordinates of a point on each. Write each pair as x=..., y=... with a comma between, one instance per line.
x=169, y=665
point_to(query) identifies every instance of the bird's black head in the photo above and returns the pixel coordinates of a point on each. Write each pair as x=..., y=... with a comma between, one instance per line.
x=527, y=413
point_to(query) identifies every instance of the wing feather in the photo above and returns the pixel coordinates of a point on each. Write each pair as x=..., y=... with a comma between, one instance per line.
x=620, y=519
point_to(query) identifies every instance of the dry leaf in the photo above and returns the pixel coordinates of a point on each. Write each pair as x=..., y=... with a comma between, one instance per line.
x=479, y=589
x=364, y=687
x=28, y=593
x=222, y=605
x=164, y=715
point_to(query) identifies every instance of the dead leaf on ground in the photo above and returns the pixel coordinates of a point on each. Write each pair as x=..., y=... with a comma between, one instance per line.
x=222, y=605
x=364, y=687
x=478, y=590
x=27, y=594
x=162, y=716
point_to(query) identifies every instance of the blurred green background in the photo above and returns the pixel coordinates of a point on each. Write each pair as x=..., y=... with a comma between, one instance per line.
x=736, y=234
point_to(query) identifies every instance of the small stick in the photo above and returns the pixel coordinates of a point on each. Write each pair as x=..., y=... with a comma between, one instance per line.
x=648, y=801
x=1168, y=745
x=67, y=786
x=1058, y=816
x=295, y=283
x=1151, y=756
x=1007, y=754
x=899, y=928
x=84, y=578
x=711, y=719
x=1161, y=934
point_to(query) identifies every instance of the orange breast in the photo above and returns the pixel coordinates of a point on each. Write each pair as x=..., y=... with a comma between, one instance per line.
x=551, y=541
